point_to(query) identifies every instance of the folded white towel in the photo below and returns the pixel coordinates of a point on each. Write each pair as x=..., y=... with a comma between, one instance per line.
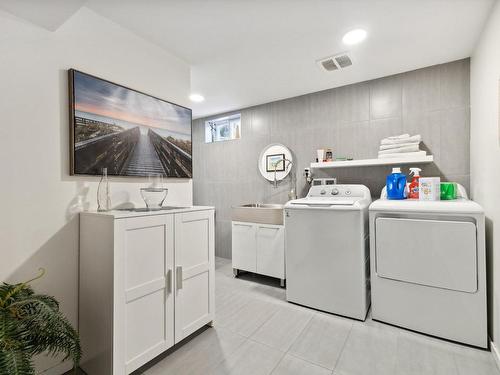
x=397, y=145
x=408, y=155
x=388, y=141
x=402, y=136
x=411, y=148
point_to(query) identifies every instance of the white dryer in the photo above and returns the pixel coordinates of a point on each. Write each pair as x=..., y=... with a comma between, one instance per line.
x=326, y=249
x=428, y=267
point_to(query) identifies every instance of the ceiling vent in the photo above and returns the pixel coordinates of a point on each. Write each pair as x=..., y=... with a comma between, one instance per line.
x=335, y=62
x=343, y=61
x=329, y=64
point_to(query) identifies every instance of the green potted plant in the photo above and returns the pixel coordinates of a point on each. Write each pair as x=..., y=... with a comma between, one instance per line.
x=32, y=324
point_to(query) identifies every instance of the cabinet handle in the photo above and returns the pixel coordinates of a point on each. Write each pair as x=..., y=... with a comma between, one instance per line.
x=178, y=272
x=170, y=280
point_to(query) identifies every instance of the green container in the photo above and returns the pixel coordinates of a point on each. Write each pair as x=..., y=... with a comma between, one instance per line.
x=448, y=191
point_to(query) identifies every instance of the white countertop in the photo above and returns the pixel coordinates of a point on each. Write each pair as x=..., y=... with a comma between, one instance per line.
x=123, y=214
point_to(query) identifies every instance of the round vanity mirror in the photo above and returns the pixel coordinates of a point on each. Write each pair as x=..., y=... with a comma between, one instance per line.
x=275, y=161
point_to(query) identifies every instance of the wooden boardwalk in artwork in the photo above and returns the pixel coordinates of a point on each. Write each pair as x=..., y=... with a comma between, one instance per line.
x=144, y=160
x=132, y=153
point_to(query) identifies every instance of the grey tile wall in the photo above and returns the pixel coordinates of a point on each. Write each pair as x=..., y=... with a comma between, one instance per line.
x=433, y=102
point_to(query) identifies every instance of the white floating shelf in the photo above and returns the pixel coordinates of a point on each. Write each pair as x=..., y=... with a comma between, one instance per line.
x=373, y=162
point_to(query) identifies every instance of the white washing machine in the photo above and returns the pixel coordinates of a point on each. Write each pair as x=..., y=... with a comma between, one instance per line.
x=326, y=249
x=428, y=267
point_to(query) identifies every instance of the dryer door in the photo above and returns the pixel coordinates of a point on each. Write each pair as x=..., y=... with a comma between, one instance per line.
x=434, y=253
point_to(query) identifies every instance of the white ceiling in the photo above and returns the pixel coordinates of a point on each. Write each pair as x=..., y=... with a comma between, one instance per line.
x=245, y=52
x=47, y=14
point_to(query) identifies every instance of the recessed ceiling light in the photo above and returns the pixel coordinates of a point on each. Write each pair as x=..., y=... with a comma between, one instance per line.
x=354, y=36
x=197, y=98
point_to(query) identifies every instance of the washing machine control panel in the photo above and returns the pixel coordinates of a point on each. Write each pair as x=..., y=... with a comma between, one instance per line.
x=329, y=191
x=338, y=191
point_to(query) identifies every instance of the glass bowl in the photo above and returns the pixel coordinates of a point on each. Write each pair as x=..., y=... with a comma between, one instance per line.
x=154, y=197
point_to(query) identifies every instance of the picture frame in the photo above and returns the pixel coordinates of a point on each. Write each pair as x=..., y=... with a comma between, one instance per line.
x=129, y=132
x=275, y=159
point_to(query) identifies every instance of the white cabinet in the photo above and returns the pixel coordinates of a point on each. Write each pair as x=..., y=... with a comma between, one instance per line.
x=244, y=255
x=146, y=282
x=194, y=259
x=270, y=240
x=144, y=314
x=259, y=248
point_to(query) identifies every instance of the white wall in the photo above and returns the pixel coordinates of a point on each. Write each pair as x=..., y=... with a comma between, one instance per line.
x=38, y=225
x=485, y=150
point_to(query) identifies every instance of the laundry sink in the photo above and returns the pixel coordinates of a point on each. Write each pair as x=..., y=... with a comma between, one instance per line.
x=263, y=213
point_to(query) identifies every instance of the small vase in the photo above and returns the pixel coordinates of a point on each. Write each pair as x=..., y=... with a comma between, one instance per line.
x=155, y=194
x=103, y=199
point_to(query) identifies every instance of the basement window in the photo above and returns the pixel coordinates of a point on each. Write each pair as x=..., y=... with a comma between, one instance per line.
x=223, y=128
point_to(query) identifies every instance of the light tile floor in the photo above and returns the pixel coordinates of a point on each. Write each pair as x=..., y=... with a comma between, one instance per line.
x=257, y=332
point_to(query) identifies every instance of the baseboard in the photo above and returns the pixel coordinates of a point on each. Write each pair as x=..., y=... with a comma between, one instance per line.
x=58, y=369
x=496, y=353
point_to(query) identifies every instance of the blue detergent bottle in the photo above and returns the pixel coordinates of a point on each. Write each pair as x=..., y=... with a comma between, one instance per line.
x=396, y=184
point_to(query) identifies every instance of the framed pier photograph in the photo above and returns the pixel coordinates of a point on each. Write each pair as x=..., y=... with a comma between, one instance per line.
x=275, y=163
x=126, y=131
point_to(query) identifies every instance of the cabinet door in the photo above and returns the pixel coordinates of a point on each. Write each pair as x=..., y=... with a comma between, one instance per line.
x=271, y=250
x=244, y=246
x=144, y=309
x=194, y=271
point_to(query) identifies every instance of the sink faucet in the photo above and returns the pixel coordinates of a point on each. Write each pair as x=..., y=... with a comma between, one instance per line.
x=292, y=193
x=290, y=163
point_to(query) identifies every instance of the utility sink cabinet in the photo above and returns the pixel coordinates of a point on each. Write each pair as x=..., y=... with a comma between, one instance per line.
x=146, y=283
x=259, y=248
